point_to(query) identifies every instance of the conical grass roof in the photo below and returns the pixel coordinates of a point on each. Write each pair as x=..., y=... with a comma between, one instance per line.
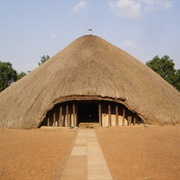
x=89, y=68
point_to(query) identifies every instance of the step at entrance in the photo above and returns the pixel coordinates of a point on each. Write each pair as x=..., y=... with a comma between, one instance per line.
x=88, y=125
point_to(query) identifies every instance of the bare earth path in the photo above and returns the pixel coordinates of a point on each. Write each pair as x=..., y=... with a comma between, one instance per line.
x=141, y=153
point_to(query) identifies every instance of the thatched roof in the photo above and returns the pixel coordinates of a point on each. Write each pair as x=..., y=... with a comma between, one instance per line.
x=89, y=68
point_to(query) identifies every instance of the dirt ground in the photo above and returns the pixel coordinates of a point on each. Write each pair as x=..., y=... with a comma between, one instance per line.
x=130, y=152
x=142, y=153
x=34, y=154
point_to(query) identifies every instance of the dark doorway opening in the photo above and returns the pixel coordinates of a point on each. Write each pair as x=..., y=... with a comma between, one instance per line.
x=88, y=112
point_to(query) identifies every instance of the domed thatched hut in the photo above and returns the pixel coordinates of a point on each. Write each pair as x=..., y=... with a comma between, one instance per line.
x=89, y=81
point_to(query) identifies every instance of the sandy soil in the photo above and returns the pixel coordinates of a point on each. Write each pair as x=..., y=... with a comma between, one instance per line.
x=34, y=154
x=131, y=153
x=142, y=153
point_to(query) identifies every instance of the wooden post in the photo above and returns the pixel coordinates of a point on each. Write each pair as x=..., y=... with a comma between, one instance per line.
x=76, y=121
x=54, y=116
x=48, y=119
x=60, y=115
x=74, y=114
x=124, y=113
x=117, y=122
x=109, y=114
x=51, y=118
x=130, y=119
x=100, y=112
x=134, y=119
x=56, y=109
x=67, y=115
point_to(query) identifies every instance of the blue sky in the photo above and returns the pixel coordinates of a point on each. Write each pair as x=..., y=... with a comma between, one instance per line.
x=30, y=29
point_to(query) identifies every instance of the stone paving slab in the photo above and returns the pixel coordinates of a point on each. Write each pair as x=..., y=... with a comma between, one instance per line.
x=76, y=168
x=86, y=160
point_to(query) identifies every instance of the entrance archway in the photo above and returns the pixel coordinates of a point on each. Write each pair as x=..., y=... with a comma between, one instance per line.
x=98, y=113
x=88, y=112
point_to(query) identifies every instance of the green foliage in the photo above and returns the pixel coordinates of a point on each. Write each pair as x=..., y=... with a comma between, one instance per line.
x=44, y=58
x=165, y=68
x=20, y=75
x=7, y=75
x=178, y=79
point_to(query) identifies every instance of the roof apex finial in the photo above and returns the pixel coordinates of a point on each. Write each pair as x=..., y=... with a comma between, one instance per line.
x=89, y=31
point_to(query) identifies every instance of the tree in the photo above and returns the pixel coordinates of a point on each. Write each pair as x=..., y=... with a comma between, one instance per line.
x=165, y=68
x=178, y=79
x=7, y=75
x=44, y=58
x=20, y=75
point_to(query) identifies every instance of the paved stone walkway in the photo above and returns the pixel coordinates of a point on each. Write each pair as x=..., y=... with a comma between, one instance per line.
x=86, y=161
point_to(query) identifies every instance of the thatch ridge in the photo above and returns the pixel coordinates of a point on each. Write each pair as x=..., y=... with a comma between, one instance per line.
x=89, y=67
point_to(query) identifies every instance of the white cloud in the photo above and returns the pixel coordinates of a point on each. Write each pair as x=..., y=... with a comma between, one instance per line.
x=130, y=9
x=80, y=6
x=133, y=9
x=129, y=44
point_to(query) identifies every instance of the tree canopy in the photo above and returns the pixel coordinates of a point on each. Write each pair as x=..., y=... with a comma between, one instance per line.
x=7, y=75
x=165, y=68
x=44, y=58
x=20, y=75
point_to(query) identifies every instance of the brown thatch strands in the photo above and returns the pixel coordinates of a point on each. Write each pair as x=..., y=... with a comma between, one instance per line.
x=90, y=68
